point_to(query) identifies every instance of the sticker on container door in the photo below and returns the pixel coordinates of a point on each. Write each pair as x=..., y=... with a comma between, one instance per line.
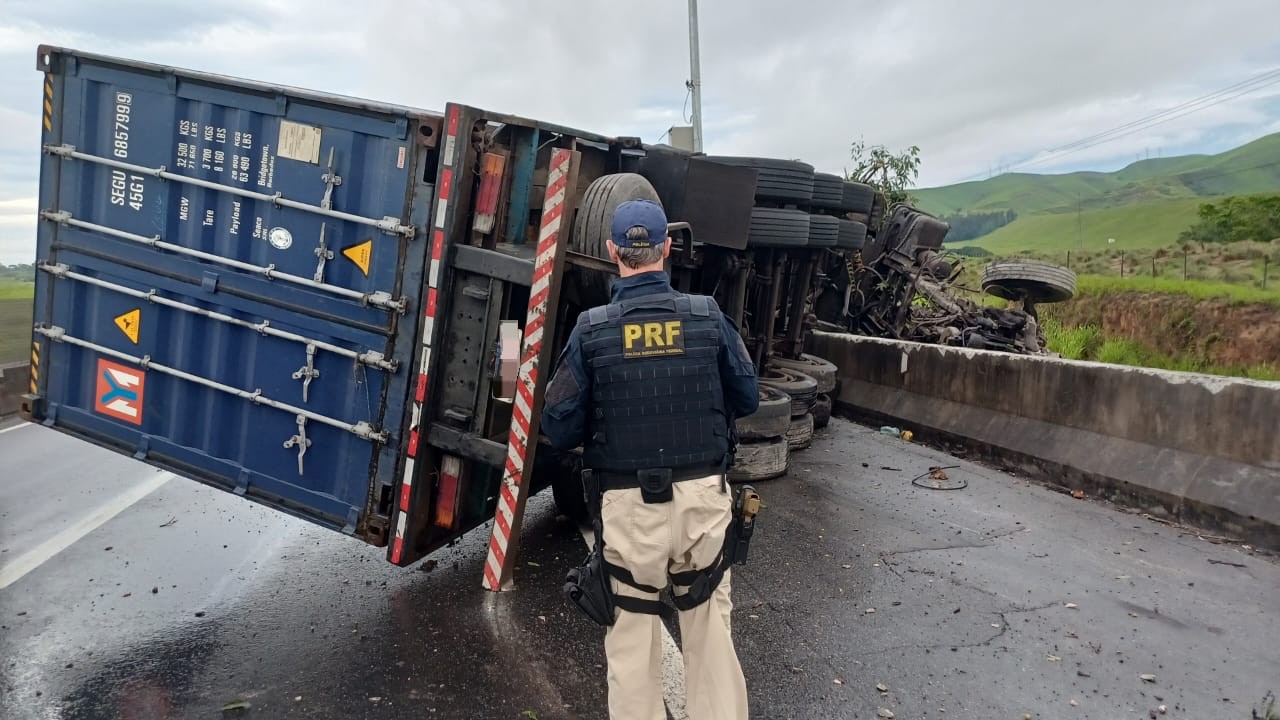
x=130, y=324
x=119, y=391
x=360, y=255
x=299, y=142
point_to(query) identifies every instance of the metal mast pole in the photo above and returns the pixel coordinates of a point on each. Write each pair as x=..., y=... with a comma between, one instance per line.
x=695, y=76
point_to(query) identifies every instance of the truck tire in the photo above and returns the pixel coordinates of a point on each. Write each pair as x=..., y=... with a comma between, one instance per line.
x=770, y=420
x=822, y=411
x=824, y=231
x=787, y=180
x=1039, y=282
x=852, y=235
x=802, y=389
x=828, y=191
x=875, y=216
x=800, y=434
x=857, y=197
x=595, y=216
x=774, y=227
x=756, y=461
x=822, y=371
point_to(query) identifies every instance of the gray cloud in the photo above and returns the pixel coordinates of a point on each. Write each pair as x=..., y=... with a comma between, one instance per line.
x=975, y=85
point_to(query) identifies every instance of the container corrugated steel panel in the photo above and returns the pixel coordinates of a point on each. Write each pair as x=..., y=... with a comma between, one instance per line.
x=107, y=353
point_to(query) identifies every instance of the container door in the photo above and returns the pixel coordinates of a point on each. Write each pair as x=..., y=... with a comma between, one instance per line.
x=225, y=283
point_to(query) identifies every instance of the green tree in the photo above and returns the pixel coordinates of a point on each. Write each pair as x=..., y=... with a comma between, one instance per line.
x=892, y=174
x=1253, y=217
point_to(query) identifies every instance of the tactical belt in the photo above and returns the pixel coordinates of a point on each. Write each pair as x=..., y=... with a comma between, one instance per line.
x=626, y=480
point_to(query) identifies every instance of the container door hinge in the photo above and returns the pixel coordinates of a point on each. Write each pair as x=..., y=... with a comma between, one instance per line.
x=300, y=441
x=307, y=372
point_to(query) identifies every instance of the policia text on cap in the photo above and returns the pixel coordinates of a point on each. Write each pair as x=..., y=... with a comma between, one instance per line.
x=649, y=386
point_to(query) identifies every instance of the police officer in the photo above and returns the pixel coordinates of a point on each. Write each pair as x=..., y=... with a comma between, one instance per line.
x=649, y=386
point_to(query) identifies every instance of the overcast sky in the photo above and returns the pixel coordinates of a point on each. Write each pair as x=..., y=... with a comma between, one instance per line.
x=976, y=85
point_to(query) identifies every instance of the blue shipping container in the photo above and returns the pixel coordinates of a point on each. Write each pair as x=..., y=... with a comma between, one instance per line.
x=227, y=273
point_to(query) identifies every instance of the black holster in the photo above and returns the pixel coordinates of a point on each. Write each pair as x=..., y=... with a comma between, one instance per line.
x=587, y=585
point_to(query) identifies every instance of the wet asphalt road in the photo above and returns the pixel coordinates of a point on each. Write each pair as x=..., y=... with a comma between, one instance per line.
x=190, y=599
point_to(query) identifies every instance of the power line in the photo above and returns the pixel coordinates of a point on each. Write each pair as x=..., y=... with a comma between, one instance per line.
x=1155, y=116
x=1146, y=126
x=1217, y=97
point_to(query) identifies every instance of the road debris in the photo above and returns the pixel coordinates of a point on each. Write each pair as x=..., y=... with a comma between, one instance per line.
x=1053, y=658
x=1147, y=677
x=869, y=611
x=1226, y=562
x=885, y=713
x=882, y=687
x=1077, y=494
x=169, y=522
x=1072, y=606
x=1075, y=702
x=939, y=480
x=837, y=681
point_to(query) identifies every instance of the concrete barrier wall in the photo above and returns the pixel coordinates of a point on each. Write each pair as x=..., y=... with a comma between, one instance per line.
x=1197, y=448
x=14, y=381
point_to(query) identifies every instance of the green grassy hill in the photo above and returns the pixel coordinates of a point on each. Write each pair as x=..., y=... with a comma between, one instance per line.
x=1145, y=204
x=1147, y=225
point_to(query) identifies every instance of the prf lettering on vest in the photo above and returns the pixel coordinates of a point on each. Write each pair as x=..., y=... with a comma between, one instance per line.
x=652, y=339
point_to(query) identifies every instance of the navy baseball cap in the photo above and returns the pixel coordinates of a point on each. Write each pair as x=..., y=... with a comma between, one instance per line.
x=639, y=213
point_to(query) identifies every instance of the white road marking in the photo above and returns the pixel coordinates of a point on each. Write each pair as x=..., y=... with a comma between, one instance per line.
x=19, y=426
x=672, y=659
x=37, y=556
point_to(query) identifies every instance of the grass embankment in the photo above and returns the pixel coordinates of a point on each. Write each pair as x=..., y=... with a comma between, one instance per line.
x=1163, y=323
x=15, y=320
x=1087, y=342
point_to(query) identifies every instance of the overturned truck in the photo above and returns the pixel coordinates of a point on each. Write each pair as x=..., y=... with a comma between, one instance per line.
x=347, y=310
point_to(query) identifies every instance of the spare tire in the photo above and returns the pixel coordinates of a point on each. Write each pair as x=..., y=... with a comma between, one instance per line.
x=857, y=197
x=802, y=388
x=595, y=217
x=822, y=371
x=828, y=191
x=756, y=461
x=800, y=433
x=822, y=411
x=852, y=235
x=775, y=227
x=824, y=231
x=788, y=180
x=1039, y=282
x=770, y=420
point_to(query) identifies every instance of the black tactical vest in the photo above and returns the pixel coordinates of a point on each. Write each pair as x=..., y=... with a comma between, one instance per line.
x=655, y=384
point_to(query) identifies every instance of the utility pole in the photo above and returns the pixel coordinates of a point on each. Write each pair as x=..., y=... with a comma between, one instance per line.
x=695, y=76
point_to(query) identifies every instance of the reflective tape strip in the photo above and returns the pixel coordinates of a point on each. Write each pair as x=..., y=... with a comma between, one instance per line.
x=518, y=439
x=444, y=190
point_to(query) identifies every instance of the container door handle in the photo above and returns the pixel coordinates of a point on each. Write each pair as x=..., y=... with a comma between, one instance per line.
x=300, y=441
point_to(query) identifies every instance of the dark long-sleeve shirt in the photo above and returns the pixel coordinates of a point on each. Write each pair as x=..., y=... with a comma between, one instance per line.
x=568, y=398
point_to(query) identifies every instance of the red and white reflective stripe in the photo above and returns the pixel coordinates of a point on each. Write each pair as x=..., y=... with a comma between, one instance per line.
x=428, y=328
x=527, y=380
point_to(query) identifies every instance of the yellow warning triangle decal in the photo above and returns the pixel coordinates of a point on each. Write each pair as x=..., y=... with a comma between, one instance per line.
x=360, y=255
x=130, y=323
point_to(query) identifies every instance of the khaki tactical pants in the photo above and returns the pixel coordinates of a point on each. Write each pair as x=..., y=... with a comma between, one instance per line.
x=651, y=541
